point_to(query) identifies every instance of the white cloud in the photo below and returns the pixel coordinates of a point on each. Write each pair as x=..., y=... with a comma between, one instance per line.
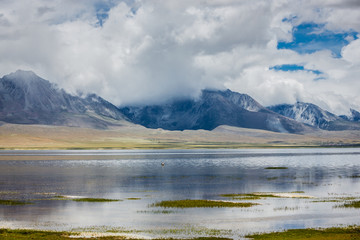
x=150, y=51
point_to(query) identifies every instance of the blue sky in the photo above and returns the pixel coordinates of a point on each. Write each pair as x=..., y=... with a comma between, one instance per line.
x=294, y=67
x=312, y=37
x=149, y=51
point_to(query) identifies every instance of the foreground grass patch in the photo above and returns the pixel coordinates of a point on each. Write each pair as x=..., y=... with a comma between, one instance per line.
x=12, y=202
x=7, y=234
x=188, y=203
x=311, y=234
x=95, y=200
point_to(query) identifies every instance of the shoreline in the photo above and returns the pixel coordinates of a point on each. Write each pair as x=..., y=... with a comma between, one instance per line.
x=329, y=233
x=188, y=147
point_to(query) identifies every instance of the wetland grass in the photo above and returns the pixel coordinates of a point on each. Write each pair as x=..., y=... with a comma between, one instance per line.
x=353, y=204
x=12, y=202
x=133, y=198
x=95, y=200
x=345, y=233
x=188, y=203
x=276, y=168
x=248, y=196
x=22, y=234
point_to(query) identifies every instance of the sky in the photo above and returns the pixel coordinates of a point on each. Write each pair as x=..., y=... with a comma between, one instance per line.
x=148, y=52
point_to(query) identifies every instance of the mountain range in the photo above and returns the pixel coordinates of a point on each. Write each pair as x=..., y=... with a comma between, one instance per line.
x=313, y=115
x=26, y=98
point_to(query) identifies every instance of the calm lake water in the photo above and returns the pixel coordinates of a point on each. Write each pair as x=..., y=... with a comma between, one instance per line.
x=138, y=178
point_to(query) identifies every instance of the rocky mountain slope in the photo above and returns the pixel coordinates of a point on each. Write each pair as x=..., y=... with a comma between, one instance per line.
x=313, y=115
x=26, y=98
x=354, y=116
x=212, y=109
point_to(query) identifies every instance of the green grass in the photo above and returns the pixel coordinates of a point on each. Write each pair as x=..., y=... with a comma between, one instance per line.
x=353, y=204
x=249, y=196
x=12, y=202
x=7, y=234
x=95, y=200
x=133, y=198
x=354, y=176
x=346, y=233
x=336, y=233
x=276, y=168
x=188, y=203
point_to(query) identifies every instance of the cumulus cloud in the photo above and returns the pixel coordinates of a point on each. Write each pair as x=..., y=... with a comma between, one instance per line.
x=134, y=51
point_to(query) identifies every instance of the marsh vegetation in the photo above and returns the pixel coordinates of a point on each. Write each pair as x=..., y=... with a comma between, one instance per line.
x=189, y=203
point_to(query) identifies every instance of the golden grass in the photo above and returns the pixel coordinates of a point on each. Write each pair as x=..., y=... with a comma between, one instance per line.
x=16, y=136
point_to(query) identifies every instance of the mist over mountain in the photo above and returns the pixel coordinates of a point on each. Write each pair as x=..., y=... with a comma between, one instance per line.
x=26, y=98
x=354, y=116
x=212, y=109
x=313, y=115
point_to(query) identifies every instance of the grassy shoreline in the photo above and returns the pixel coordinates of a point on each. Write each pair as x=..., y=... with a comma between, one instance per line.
x=333, y=233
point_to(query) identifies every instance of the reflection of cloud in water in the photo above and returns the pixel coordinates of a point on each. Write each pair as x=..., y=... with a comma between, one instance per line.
x=196, y=174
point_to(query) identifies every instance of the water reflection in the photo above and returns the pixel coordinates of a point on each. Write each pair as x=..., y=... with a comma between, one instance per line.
x=187, y=174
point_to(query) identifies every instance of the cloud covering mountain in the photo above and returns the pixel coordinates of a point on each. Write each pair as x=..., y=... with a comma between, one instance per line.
x=149, y=51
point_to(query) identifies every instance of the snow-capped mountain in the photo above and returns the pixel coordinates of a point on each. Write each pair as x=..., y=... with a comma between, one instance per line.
x=313, y=115
x=354, y=116
x=212, y=109
x=28, y=99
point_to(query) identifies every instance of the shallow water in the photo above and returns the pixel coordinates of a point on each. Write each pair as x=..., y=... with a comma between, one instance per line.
x=38, y=177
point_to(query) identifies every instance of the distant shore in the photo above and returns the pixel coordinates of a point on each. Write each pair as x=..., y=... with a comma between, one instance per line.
x=43, y=137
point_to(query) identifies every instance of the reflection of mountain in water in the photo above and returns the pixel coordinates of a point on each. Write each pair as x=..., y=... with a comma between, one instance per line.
x=187, y=174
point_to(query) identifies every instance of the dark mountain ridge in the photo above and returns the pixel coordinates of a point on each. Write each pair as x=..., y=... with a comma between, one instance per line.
x=212, y=109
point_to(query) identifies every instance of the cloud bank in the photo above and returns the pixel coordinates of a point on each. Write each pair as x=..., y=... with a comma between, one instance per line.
x=134, y=52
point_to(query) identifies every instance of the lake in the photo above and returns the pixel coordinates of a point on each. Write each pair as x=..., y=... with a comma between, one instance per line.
x=308, y=187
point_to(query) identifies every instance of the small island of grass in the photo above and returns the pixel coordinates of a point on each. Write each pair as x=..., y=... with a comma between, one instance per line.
x=95, y=200
x=352, y=204
x=249, y=196
x=276, y=168
x=12, y=202
x=188, y=203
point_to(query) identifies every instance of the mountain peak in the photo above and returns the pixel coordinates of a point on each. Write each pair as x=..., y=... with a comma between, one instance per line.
x=27, y=98
x=22, y=74
x=212, y=109
x=313, y=115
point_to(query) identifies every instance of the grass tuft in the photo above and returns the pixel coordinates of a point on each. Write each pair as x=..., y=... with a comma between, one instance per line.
x=276, y=168
x=188, y=203
x=12, y=202
x=133, y=198
x=95, y=200
x=353, y=204
x=249, y=196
